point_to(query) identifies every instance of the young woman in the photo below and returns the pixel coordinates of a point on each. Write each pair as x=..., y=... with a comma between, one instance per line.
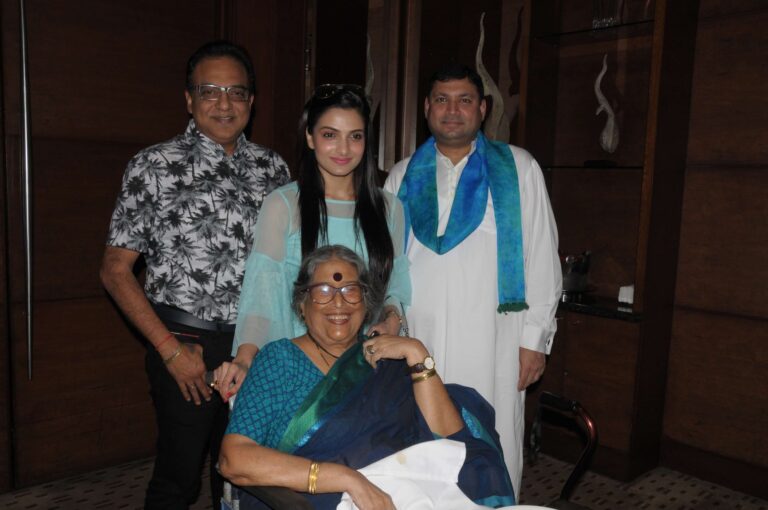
x=335, y=200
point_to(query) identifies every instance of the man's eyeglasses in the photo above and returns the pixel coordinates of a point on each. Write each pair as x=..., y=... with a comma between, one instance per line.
x=322, y=293
x=329, y=90
x=210, y=92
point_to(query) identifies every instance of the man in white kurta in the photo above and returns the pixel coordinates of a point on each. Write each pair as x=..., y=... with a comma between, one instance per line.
x=455, y=295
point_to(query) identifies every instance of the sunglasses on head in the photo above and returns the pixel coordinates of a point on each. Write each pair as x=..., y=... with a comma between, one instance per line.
x=329, y=90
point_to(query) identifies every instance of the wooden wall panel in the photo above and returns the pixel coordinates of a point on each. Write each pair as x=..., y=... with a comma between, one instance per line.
x=604, y=385
x=717, y=385
x=341, y=29
x=106, y=79
x=717, y=389
x=76, y=185
x=88, y=404
x=279, y=68
x=125, y=81
x=5, y=373
x=729, y=106
x=607, y=227
x=723, y=241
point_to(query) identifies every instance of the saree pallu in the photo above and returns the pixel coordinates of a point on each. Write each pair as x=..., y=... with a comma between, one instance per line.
x=357, y=415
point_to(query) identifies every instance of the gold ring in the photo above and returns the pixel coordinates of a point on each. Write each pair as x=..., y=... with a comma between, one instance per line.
x=370, y=350
x=213, y=384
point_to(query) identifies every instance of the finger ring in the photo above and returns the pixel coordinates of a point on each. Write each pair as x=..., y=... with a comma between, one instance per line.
x=370, y=350
x=213, y=384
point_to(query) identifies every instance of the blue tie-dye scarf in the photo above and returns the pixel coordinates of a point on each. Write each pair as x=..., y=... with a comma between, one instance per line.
x=491, y=166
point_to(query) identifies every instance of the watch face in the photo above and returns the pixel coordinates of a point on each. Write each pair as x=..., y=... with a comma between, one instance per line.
x=429, y=363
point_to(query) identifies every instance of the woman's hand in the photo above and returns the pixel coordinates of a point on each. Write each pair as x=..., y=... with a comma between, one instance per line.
x=367, y=496
x=390, y=325
x=394, y=347
x=228, y=377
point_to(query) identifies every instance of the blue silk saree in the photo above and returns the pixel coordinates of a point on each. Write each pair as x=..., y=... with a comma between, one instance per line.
x=357, y=415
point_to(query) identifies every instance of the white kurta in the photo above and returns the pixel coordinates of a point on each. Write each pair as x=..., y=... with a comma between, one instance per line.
x=455, y=296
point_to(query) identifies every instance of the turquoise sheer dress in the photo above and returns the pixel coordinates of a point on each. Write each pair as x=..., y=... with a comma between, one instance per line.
x=265, y=312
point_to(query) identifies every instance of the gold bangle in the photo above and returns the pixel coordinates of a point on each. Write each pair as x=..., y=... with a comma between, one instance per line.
x=423, y=377
x=314, y=469
x=173, y=356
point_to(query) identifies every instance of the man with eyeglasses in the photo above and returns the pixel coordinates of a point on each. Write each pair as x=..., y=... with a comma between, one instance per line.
x=484, y=269
x=188, y=206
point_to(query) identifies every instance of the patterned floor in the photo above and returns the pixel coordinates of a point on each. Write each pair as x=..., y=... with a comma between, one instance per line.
x=123, y=487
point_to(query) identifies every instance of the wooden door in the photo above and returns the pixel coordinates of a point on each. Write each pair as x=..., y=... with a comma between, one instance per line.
x=106, y=79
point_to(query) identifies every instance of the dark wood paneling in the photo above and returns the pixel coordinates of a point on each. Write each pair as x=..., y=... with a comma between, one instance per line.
x=723, y=241
x=606, y=226
x=279, y=69
x=717, y=389
x=106, y=78
x=75, y=187
x=289, y=88
x=729, y=108
x=88, y=403
x=578, y=16
x=604, y=384
x=737, y=475
x=103, y=71
x=341, y=30
x=5, y=373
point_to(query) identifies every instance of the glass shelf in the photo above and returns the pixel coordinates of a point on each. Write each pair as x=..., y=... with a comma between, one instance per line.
x=602, y=34
x=601, y=307
x=594, y=165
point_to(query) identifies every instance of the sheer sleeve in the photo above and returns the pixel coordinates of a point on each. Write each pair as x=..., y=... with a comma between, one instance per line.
x=264, y=312
x=399, y=289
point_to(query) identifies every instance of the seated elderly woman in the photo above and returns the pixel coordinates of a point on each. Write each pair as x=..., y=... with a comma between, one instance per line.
x=315, y=409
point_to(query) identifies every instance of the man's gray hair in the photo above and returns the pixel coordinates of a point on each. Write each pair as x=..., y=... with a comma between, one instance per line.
x=372, y=298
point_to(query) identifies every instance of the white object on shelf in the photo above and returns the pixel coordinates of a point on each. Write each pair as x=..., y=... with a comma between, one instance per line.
x=627, y=294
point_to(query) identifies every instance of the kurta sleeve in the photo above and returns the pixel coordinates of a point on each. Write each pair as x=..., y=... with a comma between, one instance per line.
x=265, y=313
x=399, y=289
x=543, y=275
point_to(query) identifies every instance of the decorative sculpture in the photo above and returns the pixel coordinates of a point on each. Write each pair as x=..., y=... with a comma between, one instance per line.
x=370, y=78
x=496, y=121
x=609, y=138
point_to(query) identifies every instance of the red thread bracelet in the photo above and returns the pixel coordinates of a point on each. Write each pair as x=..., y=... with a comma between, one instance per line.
x=161, y=342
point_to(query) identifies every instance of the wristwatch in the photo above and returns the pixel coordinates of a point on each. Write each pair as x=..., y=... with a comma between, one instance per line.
x=427, y=364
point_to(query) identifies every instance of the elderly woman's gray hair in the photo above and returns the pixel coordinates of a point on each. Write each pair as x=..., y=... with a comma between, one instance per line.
x=373, y=298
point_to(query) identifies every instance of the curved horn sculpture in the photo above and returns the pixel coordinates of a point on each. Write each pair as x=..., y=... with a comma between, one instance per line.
x=496, y=122
x=609, y=138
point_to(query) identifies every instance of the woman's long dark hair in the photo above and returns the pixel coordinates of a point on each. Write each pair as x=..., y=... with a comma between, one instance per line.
x=370, y=207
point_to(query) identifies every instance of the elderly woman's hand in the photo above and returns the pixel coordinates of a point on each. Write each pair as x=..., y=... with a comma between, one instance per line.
x=367, y=496
x=391, y=324
x=394, y=347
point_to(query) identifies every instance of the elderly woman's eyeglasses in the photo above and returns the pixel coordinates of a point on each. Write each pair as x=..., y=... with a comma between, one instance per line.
x=210, y=92
x=322, y=293
x=329, y=90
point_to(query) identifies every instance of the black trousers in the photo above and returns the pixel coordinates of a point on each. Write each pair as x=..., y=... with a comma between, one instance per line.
x=186, y=432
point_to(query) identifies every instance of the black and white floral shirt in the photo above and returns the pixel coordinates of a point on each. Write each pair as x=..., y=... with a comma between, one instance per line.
x=190, y=209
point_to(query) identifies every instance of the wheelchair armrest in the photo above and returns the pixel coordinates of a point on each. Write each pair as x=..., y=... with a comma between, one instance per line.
x=278, y=497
